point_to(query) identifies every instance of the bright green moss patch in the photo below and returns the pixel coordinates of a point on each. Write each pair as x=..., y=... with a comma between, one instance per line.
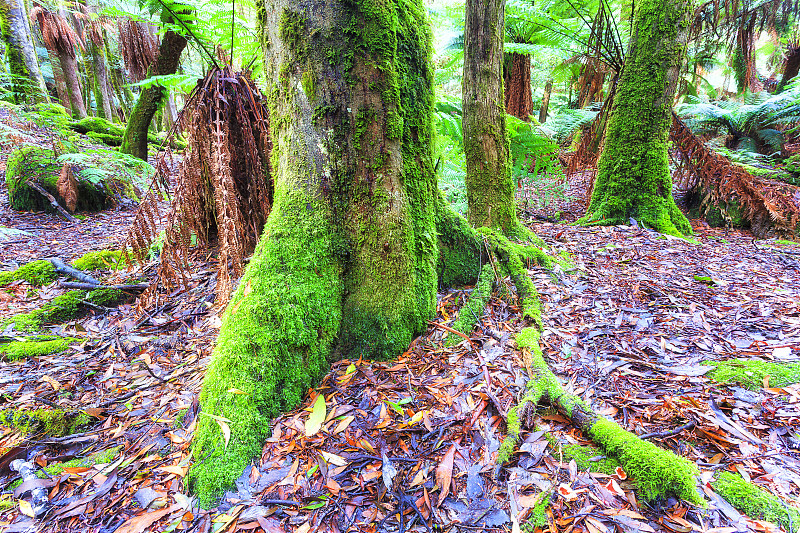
x=55, y=422
x=756, y=502
x=36, y=346
x=751, y=372
x=538, y=516
x=587, y=458
x=100, y=260
x=60, y=309
x=105, y=297
x=658, y=473
x=473, y=309
x=101, y=457
x=97, y=125
x=36, y=273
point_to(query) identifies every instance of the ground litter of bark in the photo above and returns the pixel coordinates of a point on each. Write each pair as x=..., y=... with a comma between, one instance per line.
x=416, y=437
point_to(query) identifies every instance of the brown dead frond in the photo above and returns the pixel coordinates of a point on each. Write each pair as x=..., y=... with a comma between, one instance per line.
x=769, y=205
x=139, y=46
x=57, y=34
x=223, y=192
x=67, y=187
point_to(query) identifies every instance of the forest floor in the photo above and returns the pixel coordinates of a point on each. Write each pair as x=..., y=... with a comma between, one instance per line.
x=628, y=330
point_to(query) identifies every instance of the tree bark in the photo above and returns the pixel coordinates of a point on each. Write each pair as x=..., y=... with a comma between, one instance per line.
x=633, y=179
x=519, y=101
x=744, y=58
x=101, y=93
x=548, y=89
x=28, y=82
x=134, y=142
x=791, y=66
x=490, y=186
x=347, y=263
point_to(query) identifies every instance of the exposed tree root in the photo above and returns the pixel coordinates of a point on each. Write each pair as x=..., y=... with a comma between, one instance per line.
x=756, y=502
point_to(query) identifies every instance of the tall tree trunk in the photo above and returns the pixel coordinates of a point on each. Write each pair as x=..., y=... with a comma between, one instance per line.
x=633, y=179
x=519, y=101
x=69, y=68
x=490, y=186
x=346, y=266
x=58, y=78
x=134, y=142
x=744, y=58
x=548, y=89
x=27, y=80
x=102, y=96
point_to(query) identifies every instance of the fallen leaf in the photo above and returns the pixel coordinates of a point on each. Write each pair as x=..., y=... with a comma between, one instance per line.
x=444, y=472
x=317, y=417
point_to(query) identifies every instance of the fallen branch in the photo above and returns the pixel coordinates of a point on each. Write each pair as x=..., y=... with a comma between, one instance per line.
x=39, y=499
x=53, y=202
x=667, y=434
x=63, y=268
x=89, y=286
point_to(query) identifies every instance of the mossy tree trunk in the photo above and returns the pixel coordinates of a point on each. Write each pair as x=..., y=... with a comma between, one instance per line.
x=791, y=67
x=101, y=93
x=548, y=89
x=27, y=80
x=134, y=142
x=633, y=178
x=490, y=186
x=347, y=263
x=69, y=67
x=519, y=100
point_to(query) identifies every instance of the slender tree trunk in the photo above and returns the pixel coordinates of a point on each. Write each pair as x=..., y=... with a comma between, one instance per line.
x=58, y=78
x=490, y=186
x=519, y=101
x=69, y=68
x=791, y=66
x=102, y=95
x=346, y=266
x=744, y=59
x=633, y=179
x=28, y=82
x=548, y=89
x=134, y=142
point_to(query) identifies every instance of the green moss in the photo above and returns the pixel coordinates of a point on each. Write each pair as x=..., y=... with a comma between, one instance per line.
x=105, y=297
x=55, y=422
x=101, y=260
x=36, y=273
x=44, y=345
x=751, y=373
x=459, y=261
x=292, y=28
x=633, y=176
x=101, y=457
x=658, y=473
x=106, y=138
x=538, y=516
x=471, y=312
x=756, y=502
x=97, y=125
x=587, y=458
x=309, y=86
x=60, y=309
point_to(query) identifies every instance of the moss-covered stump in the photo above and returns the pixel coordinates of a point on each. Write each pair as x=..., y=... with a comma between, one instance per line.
x=36, y=273
x=61, y=309
x=34, y=346
x=658, y=473
x=756, y=502
x=751, y=373
x=54, y=423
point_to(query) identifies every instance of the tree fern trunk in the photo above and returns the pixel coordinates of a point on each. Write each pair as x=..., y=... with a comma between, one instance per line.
x=28, y=82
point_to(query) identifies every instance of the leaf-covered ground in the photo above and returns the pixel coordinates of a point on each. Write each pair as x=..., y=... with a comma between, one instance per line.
x=630, y=330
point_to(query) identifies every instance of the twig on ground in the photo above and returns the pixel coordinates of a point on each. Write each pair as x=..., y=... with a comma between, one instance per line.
x=666, y=434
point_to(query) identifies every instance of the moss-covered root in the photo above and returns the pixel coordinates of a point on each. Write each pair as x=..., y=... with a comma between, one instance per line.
x=756, y=502
x=99, y=458
x=54, y=423
x=752, y=373
x=470, y=312
x=657, y=472
x=36, y=346
x=36, y=273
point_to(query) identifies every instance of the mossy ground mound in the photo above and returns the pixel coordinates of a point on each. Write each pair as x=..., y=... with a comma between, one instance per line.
x=751, y=373
x=36, y=273
x=35, y=346
x=54, y=422
x=101, y=260
x=101, y=130
x=756, y=502
x=102, y=457
x=61, y=308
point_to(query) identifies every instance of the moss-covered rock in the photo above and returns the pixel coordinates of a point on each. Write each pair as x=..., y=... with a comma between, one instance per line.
x=106, y=138
x=55, y=422
x=97, y=125
x=756, y=502
x=101, y=260
x=35, y=346
x=105, y=297
x=751, y=372
x=793, y=164
x=36, y=273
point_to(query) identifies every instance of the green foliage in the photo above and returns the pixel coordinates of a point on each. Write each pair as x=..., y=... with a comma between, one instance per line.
x=101, y=260
x=756, y=502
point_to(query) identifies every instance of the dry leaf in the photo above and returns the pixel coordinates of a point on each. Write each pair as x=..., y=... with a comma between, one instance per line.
x=317, y=417
x=444, y=472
